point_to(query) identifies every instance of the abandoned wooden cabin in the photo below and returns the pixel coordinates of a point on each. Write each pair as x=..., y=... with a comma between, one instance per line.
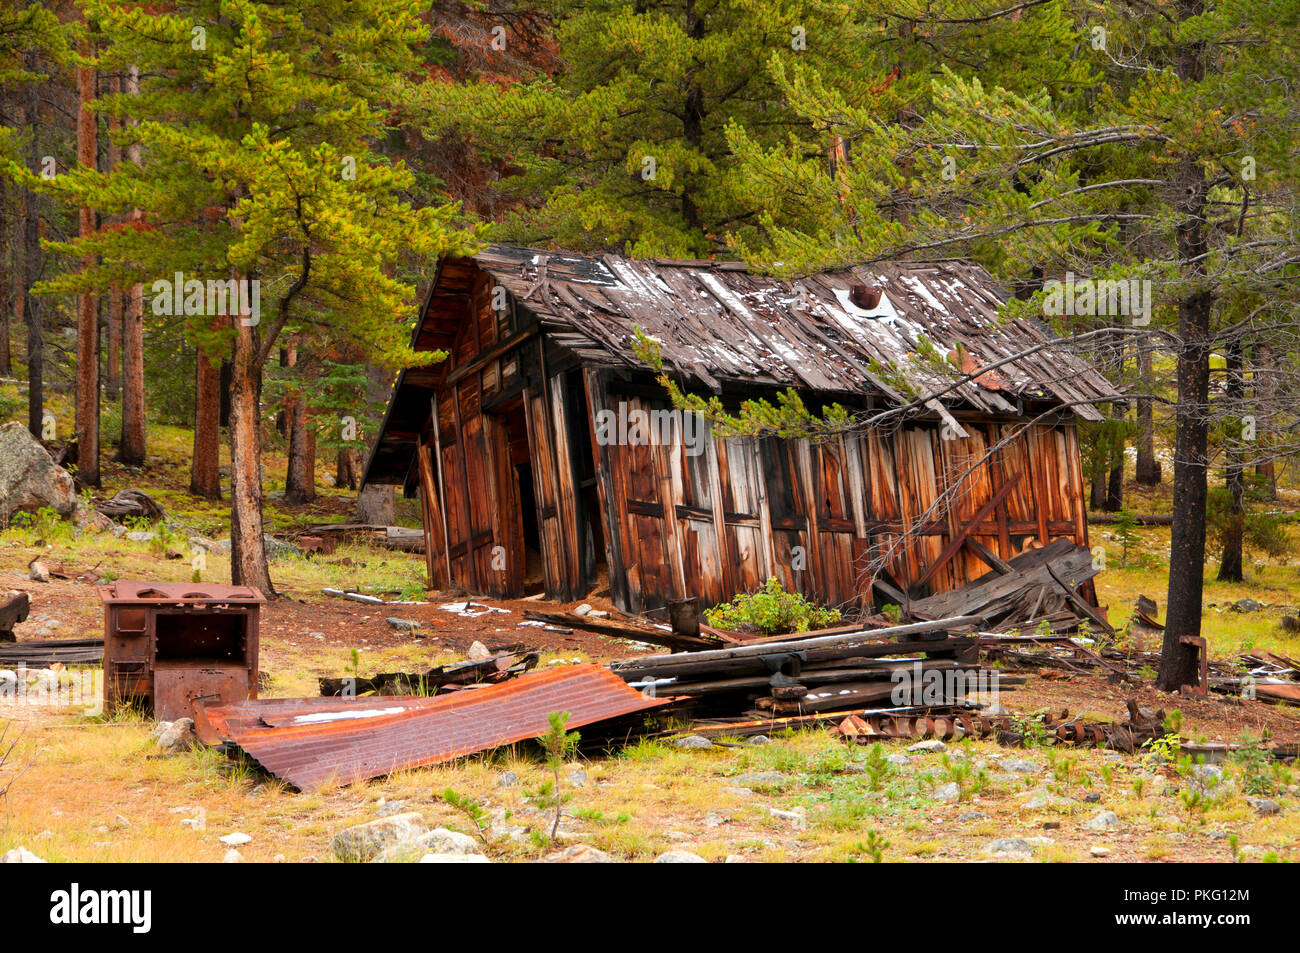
x=537, y=470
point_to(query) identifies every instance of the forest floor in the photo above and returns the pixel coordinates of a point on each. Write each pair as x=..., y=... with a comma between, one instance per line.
x=100, y=790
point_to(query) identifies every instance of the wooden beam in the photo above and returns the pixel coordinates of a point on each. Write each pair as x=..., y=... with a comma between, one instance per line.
x=988, y=556
x=488, y=356
x=956, y=542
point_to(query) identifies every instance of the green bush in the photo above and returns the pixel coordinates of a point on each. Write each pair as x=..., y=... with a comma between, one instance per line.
x=772, y=611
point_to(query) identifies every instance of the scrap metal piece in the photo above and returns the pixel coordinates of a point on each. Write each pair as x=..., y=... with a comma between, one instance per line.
x=310, y=742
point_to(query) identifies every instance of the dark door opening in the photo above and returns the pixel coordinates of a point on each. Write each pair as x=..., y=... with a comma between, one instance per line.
x=595, y=571
x=512, y=415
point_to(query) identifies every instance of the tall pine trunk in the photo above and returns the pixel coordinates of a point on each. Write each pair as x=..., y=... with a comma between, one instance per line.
x=1148, y=467
x=205, y=467
x=1230, y=565
x=300, y=475
x=8, y=284
x=131, y=448
x=87, y=411
x=32, y=265
x=113, y=360
x=248, y=563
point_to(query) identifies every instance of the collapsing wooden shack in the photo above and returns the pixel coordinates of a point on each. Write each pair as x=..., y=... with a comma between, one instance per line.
x=548, y=458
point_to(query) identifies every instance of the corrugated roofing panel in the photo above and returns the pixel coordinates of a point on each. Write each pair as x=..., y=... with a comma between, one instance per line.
x=312, y=742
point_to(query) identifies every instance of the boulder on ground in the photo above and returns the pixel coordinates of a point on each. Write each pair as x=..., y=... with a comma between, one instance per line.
x=30, y=480
x=367, y=841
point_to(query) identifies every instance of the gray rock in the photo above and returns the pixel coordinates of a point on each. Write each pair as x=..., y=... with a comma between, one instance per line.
x=933, y=745
x=713, y=820
x=178, y=735
x=1009, y=847
x=693, y=742
x=403, y=625
x=1019, y=766
x=899, y=760
x=1091, y=798
x=1264, y=805
x=798, y=820
x=478, y=652
x=141, y=536
x=1099, y=851
x=29, y=478
x=760, y=740
x=1245, y=605
x=389, y=808
x=1103, y=821
x=508, y=779
x=947, y=792
x=1044, y=802
x=367, y=841
x=232, y=856
x=578, y=854
x=679, y=857
x=440, y=840
x=577, y=777
x=37, y=571
x=236, y=839
x=761, y=779
x=20, y=855
x=970, y=816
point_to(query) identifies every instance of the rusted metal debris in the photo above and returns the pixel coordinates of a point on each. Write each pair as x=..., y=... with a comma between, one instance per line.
x=1142, y=726
x=313, y=742
x=501, y=666
x=170, y=645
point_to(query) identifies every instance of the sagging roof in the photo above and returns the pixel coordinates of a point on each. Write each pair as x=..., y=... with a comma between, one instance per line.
x=720, y=324
x=723, y=327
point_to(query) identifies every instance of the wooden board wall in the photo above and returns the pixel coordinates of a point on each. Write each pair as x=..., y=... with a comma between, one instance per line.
x=819, y=515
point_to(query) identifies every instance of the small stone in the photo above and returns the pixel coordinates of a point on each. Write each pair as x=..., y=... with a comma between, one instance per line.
x=478, y=652
x=454, y=859
x=597, y=614
x=366, y=841
x=1019, y=766
x=899, y=760
x=760, y=779
x=798, y=820
x=1264, y=805
x=577, y=777
x=38, y=571
x=236, y=839
x=1103, y=821
x=1009, y=847
x=20, y=855
x=403, y=625
x=969, y=816
x=1043, y=802
x=760, y=740
x=679, y=857
x=1051, y=825
x=933, y=745
x=735, y=859
x=578, y=854
x=713, y=820
x=693, y=742
x=175, y=736
x=389, y=808
x=1245, y=605
x=440, y=840
x=947, y=792
x=508, y=779
x=232, y=856
x=1099, y=851
x=582, y=609
x=1091, y=798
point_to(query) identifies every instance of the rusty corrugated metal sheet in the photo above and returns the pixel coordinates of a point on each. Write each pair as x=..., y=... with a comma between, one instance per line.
x=316, y=741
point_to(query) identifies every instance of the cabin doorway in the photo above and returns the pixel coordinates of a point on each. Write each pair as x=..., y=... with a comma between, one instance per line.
x=527, y=549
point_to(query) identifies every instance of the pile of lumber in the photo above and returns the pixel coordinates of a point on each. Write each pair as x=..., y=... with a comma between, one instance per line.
x=400, y=538
x=793, y=676
x=502, y=665
x=43, y=654
x=1037, y=586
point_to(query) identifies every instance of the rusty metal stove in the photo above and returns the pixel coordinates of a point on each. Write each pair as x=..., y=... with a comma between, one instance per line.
x=168, y=645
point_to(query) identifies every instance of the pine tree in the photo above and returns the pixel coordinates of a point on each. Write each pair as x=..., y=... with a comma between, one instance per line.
x=627, y=146
x=256, y=123
x=1172, y=160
